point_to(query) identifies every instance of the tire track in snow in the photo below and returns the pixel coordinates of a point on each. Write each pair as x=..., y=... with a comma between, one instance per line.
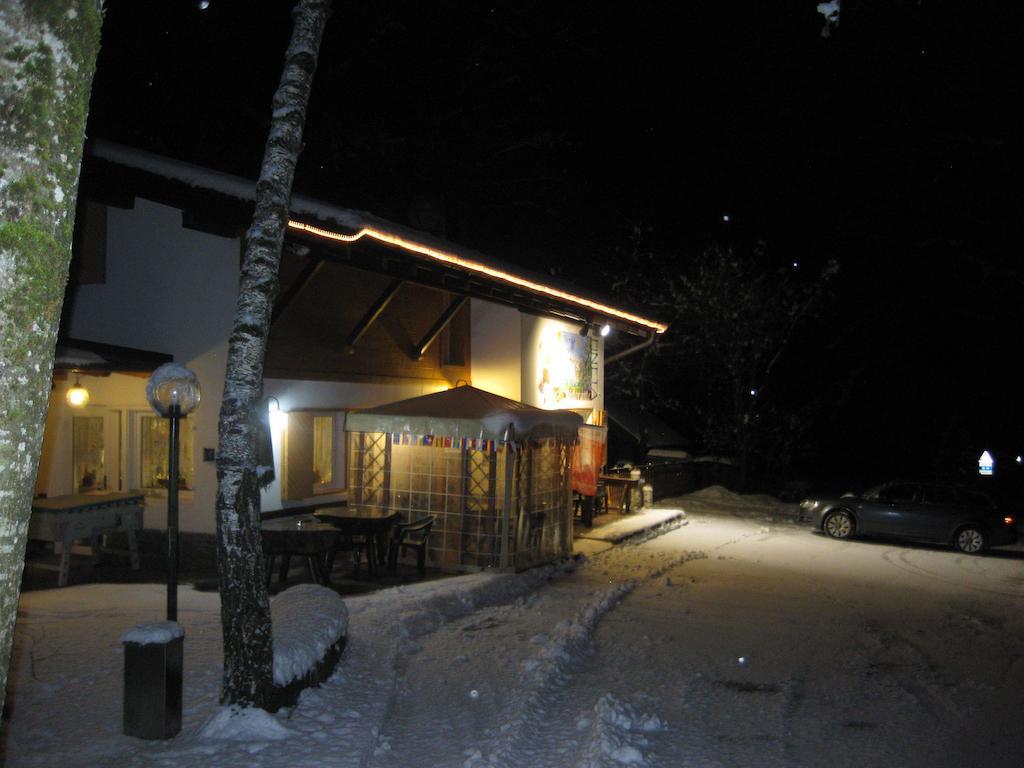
x=901, y=560
x=608, y=724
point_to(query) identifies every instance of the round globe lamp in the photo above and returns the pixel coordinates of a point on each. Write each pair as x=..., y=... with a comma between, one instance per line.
x=173, y=392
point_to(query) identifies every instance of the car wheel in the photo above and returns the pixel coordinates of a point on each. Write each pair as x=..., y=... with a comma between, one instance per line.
x=969, y=540
x=838, y=524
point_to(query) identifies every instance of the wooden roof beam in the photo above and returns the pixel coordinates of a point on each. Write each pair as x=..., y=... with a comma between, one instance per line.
x=420, y=349
x=305, y=277
x=371, y=315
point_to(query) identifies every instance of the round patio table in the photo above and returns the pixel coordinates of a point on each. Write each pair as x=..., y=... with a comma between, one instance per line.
x=299, y=536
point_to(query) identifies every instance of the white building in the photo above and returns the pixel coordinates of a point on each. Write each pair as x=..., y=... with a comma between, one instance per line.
x=369, y=312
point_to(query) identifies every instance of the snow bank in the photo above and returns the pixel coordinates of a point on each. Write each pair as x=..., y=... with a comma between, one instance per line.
x=718, y=500
x=308, y=619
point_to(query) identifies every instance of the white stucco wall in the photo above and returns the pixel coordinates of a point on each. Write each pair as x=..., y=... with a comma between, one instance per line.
x=173, y=290
x=338, y=396
x=495, y=345
x=188, y=313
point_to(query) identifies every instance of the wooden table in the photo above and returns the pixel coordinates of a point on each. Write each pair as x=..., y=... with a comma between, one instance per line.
x=361, y=531
x=298, y=536
x=627, y=484
x=66, y=519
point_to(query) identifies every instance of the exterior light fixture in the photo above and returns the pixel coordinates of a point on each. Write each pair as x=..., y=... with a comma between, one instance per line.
x=78, y=396
x=606, y=329
x=173, y=392
x=278, y=418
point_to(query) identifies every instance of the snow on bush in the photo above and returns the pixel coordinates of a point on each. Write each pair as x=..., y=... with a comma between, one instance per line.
x=308, y=619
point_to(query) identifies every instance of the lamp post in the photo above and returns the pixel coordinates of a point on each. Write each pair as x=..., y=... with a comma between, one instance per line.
x=173, y=392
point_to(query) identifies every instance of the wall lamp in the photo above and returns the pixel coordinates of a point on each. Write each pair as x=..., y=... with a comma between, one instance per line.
x=78, y=396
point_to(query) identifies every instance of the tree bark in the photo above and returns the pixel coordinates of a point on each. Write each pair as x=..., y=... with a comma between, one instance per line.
x=49, y=57
x=245, y=607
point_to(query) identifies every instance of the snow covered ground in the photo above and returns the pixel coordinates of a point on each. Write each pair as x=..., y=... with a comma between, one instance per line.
x=739, y=639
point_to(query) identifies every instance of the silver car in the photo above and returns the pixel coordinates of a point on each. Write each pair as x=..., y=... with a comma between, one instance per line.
x=935, y=512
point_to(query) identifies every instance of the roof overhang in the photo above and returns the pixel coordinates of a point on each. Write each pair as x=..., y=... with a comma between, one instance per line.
x=353, y=237
x=101, y=359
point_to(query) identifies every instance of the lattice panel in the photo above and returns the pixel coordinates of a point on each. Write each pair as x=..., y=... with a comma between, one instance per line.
x=368, y=469
x=544, y=521
x=464, y=489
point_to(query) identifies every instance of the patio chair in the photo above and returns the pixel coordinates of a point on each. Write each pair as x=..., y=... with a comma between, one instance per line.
x=406, y=536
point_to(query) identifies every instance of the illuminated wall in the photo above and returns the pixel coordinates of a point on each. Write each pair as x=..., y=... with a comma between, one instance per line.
x=561, y=368
x=495, y=347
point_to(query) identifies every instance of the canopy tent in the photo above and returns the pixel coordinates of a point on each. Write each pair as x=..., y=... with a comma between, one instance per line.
x=493, y=476
x=466, y=412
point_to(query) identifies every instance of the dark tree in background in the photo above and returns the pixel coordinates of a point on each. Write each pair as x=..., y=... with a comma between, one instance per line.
x=736, y=316
x=245, y=607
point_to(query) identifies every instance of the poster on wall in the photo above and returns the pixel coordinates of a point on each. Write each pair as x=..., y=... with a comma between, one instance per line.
x=565, y=367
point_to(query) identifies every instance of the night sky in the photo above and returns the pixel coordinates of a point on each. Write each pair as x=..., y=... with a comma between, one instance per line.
x=546, y=133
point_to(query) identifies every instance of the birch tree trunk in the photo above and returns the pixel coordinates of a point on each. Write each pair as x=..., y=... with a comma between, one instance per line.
x=49, y=57
x=245, y=608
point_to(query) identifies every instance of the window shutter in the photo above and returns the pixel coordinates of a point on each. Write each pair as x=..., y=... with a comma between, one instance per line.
x=297, y=457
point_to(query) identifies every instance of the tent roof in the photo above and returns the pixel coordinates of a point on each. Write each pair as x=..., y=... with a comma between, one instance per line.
x=465, y=412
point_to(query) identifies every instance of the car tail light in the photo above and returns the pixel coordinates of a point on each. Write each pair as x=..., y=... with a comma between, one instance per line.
x=1008, y=520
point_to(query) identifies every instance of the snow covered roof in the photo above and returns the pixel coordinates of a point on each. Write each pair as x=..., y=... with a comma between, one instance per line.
x=465, y=412
x=96, y=357
x=330, y=226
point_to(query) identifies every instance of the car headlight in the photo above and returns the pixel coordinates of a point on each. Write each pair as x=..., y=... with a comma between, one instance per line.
x=808, y=504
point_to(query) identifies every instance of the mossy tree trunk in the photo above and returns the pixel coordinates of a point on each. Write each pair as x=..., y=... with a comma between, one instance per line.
x=47, y=59
x=245, y=607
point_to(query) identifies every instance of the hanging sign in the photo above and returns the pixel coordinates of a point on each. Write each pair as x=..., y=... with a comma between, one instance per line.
x=986, y=464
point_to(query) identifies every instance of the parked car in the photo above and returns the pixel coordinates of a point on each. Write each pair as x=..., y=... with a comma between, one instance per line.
x=935, y=512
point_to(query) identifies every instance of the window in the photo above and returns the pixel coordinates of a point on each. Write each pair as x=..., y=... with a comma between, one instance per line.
x=323, y=453
x=901, y=493
x=313, y=454
x=152, y=436
x=96, y=450
x=88, y=457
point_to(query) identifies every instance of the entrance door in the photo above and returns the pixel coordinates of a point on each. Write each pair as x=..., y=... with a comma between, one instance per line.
x=96, y=451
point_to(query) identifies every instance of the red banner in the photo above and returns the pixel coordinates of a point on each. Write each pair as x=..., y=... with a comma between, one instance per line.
x=588, y=459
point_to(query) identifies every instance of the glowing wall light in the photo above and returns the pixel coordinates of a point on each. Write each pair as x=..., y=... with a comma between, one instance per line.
x=78, y=396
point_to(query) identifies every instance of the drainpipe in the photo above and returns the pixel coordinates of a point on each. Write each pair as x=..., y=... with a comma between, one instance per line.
x=632, y=350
